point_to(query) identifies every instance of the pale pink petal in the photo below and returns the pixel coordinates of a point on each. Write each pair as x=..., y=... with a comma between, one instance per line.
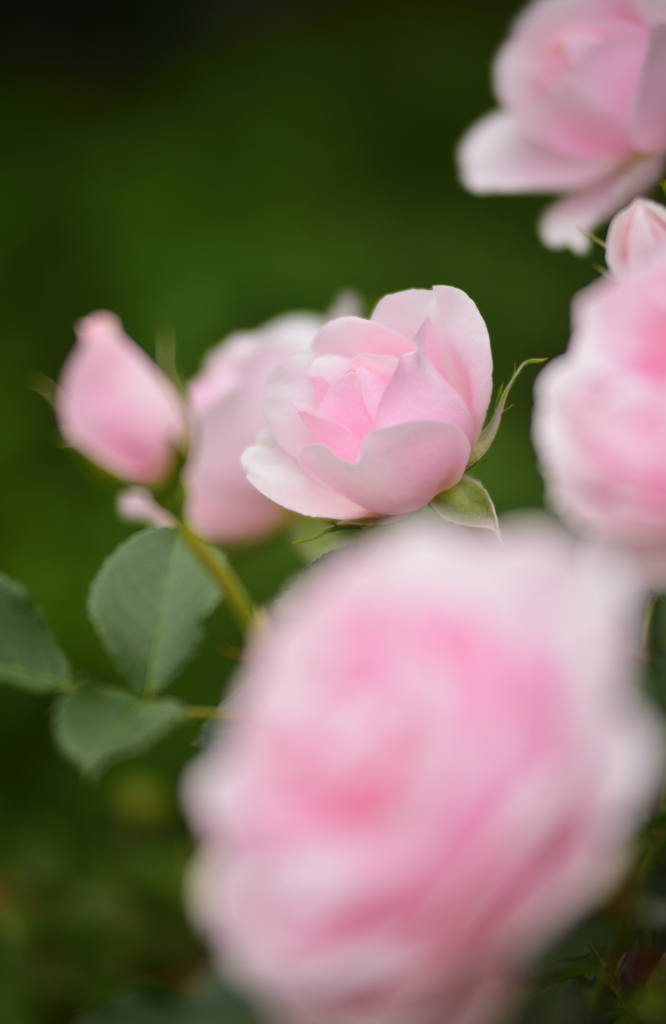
x=635, y=235
x=287, y=389
x=563, y=224
x=460, y=349
x=226, y=365
x=351, y=336
x=138, y=505
x=416, y=391
x=495, y=156
x=648, y=127
x=401, y=468
x=277, y=475
x=115, y=405
x=338, y=438
x=343, y=403
x=220, y=503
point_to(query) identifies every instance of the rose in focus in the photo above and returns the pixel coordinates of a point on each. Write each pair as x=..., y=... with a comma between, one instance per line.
x=379, y=415
x=436, y=761
x=599, y=423
x=582, y=89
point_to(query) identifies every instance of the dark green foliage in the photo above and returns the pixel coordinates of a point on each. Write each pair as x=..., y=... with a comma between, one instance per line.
x=97, y=725
x=30, y=658
x=211, y=1004
x=148, y=603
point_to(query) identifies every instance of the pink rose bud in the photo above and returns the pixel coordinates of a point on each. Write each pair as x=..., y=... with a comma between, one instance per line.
x=635, y=235
x=599, y=424
x=582, y=88
x=379, y=415
x=115, y=406
x=436, y=760
x=227, y=402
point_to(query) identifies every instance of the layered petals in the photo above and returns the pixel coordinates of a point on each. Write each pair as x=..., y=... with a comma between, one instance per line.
x=114, y=404
x=599, y=424
x=379, y=415
x=582, y=88
x=437, y=761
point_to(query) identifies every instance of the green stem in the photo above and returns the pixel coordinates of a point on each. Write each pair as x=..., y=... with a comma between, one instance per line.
x=219, y=566
x=203, y=713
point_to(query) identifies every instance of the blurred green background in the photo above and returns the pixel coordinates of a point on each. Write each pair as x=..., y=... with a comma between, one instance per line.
x=201, y=167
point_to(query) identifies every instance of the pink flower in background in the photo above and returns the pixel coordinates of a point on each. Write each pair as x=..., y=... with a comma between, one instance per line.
x=437, y=760
x=378, y=415
x=115, y=406
x=599, y=424
x=635, y=236
x=582, y=89
x=227, y=402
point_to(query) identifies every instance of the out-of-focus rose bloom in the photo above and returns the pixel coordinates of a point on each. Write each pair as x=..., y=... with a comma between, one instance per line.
x=582, y=88
x=115, y=405
x=378, y=415
x=599, y=424
x=635, y=236
x=437, y=758
x=227, y=403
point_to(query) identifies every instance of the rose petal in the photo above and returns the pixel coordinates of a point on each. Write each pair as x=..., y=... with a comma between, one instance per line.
x=287, y=389
x=460, y=348
x=563, y=224
x=417, y=392
x=138, y=505
x=273, y=472
x=350, y=336
x=400, y=469
x=220, y=503
x=495, y=156
x=648, y=127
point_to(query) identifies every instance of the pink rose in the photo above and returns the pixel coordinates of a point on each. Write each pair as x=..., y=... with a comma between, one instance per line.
x=437, y=759
x=227, y=403
x=635, y=236
x=599, y=424
x=582, y=88
x=115, y=406
x=379, y=415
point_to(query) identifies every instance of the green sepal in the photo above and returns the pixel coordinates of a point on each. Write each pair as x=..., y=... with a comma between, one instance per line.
x=148, y=603
x=30, y=657
x=467, y=504
x=489, y=432
x=97, y=725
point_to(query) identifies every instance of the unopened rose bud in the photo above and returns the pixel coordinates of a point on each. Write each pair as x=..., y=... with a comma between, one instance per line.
x=114, y=404
x=635, y=235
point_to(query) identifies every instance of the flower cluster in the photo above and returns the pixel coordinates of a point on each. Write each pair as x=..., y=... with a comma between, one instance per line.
x=438, y=753
x=582, y=88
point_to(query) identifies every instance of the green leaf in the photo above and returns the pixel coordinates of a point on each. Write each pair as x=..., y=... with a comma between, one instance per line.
x=489, y=432
x=211, y=1003
x=30, y=658
x=467, y=504
x=96, y=725
x=148, y=603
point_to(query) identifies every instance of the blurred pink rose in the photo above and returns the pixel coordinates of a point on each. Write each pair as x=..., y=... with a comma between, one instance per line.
x=437, y=760
x=227, y=402
x=114, y=404
x=635, y=236
x=379, y=415
x=599, y=424
x=582, y=88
